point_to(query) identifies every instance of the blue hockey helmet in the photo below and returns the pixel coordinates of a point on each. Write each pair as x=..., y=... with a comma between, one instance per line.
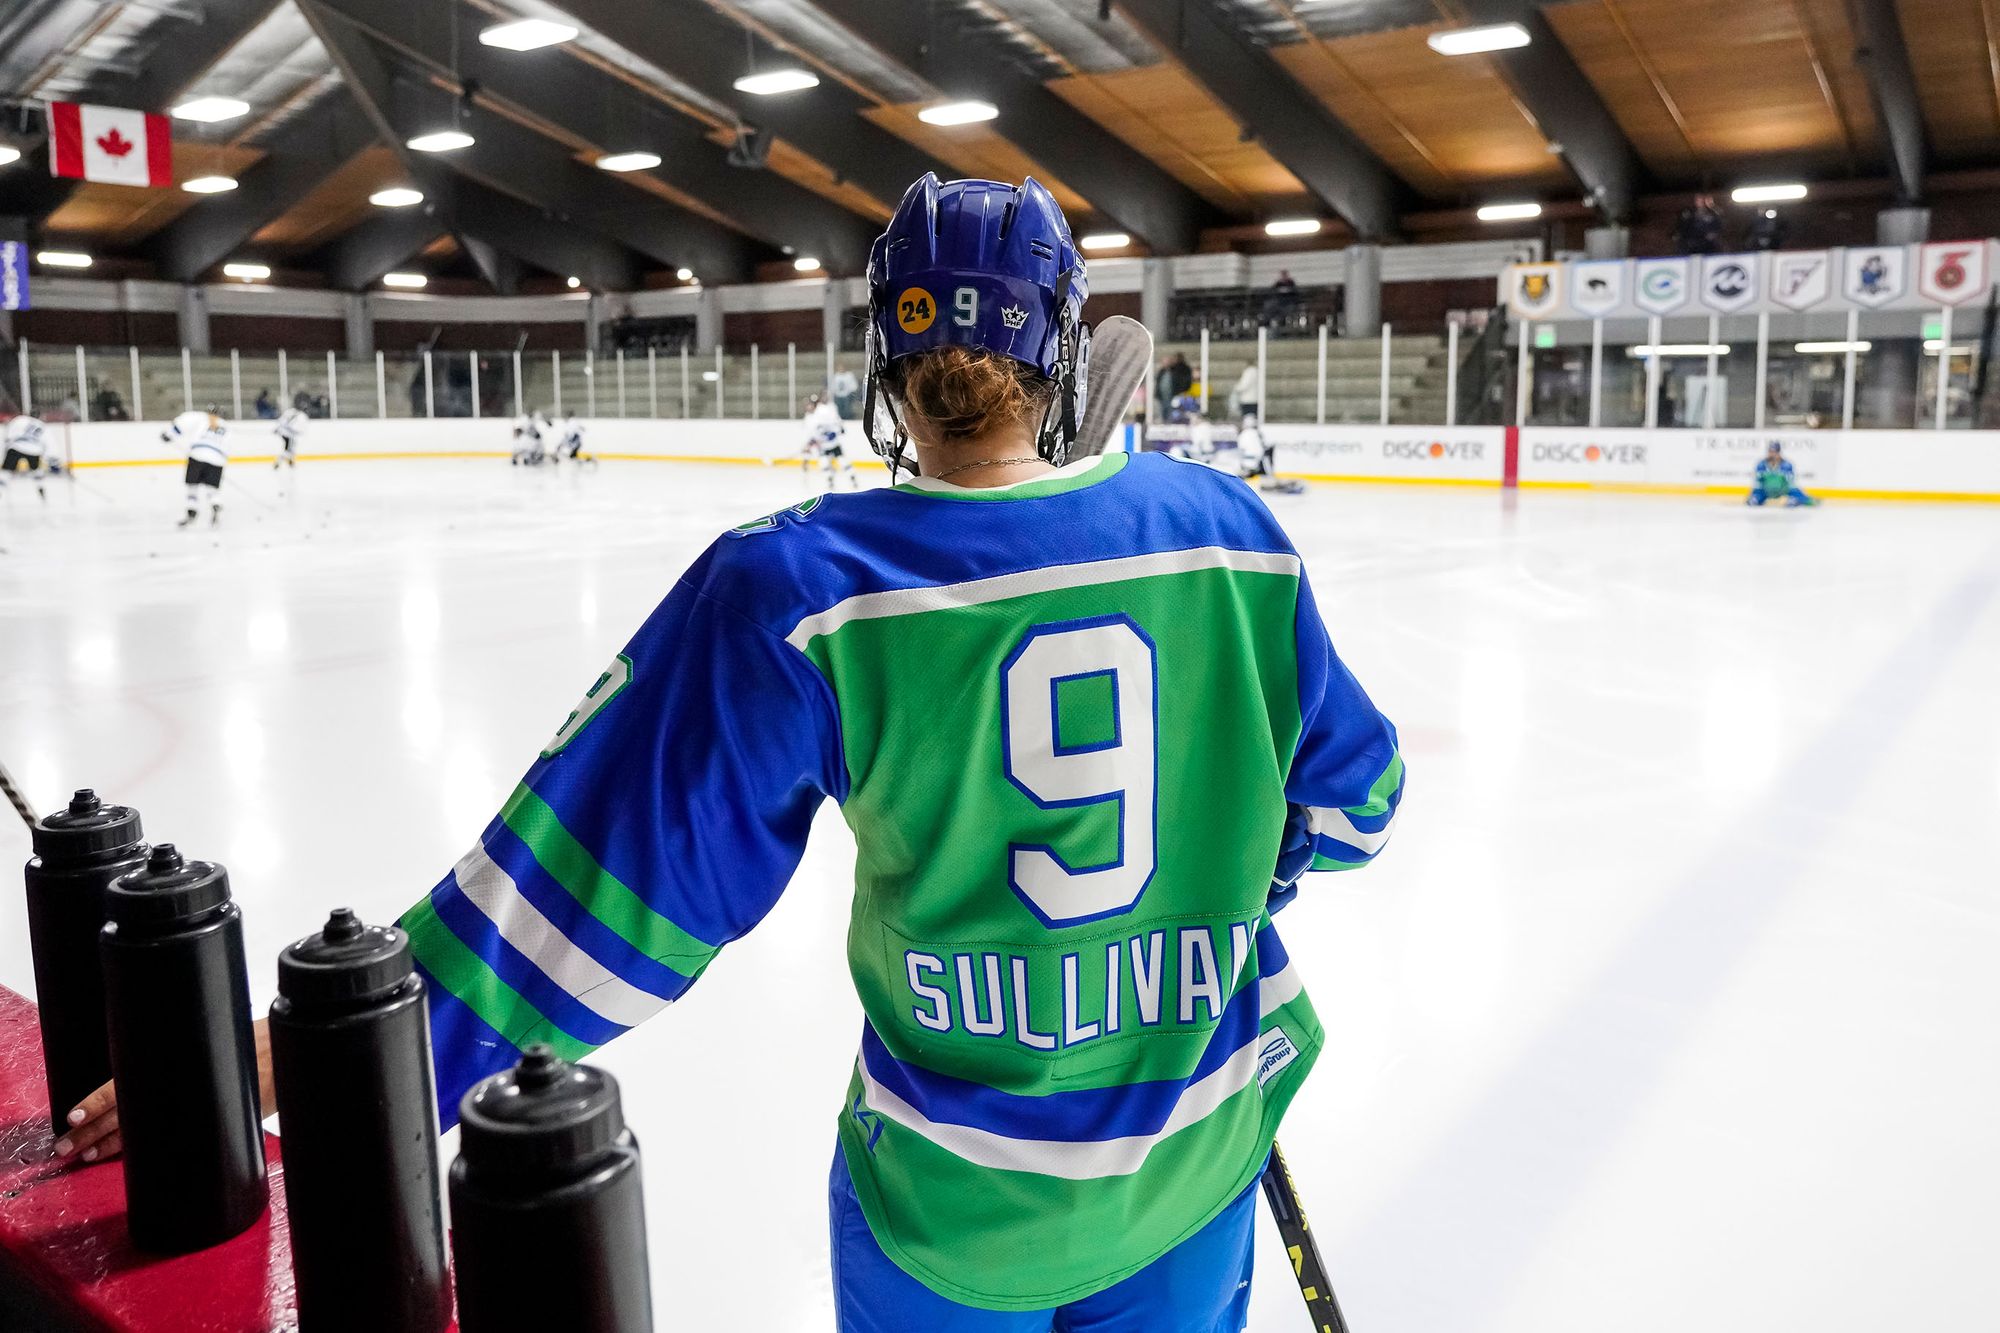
x=977, y=263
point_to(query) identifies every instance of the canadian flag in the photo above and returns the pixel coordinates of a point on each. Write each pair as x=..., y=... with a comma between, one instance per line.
x=110, y=144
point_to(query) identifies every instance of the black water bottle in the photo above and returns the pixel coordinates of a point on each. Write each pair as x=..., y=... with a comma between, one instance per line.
x=548, y=1225
x=351, y=1052
x=177, y=1003
x=78, y=852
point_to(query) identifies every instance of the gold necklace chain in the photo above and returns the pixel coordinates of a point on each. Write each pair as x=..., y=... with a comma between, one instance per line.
x=983, y=462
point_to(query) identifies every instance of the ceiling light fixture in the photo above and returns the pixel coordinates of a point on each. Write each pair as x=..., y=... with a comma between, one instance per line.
x=628, y=161
x=574, y=283
x=9, y=153
x=1106, y=240
x=773, y=81
x=441, y=141
x=684, y=274
x=396, y=196
x=247, y=272
x=1292, y=227
x=1475, y=41
x=63, y=259
x=1834, y=347
x=526, y=34
x=209, y=185
x=806, y=264
x=1509, y=212
x=209, y=110
x=958, y=113
x=1767, y=194
x=1676, y=349
x=409, y=280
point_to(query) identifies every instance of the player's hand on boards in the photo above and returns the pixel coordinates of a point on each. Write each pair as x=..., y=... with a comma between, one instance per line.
x=93, y=1133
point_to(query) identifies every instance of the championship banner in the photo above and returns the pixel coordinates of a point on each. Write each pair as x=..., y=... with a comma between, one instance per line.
x=1801, y=279
x=1535, y=290
x=1729, y=282
x=1876, y=274
x=1954, y=272
x=1660, y=286
x=110, y=145
x=14, y=275
x=1597, y=286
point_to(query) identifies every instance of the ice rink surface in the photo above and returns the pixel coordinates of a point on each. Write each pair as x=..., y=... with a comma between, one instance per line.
x=1672, y=1006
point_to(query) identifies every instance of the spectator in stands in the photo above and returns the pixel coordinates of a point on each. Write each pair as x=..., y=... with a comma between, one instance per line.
x=267, y=406
x=1247, y=398
x=1163, y=392
x=1768, y=231
x=1698, y=230
x=846, y=394
x=1180, y=377
x=1282, y=300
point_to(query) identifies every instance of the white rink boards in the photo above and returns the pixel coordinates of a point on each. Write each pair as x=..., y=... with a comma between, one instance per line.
x=1671, y=1006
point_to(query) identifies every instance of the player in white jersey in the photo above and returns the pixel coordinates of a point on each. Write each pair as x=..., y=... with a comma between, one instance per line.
x=27, y=451
x=529, y=450
x=202, y=434
x=290, y=427
x=1259, y=459
x=824, y=441
x=569, y=441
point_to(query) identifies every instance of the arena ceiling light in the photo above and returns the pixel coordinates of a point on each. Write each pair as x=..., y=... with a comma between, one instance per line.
x=441, y=141
x=684, y=274
x=1639, y=350
x=9, y=153
x=247, y=272
x=396, y=196
x=526, y=34
x=209, y=185
x=1833, y=347
x=958, y=113
x=806, y=264
x=209, y=110
x=628, y=161
x=1476, y=41
x=573, y=283
x=63, y=259
x=1509, y=212
x=410, y=281
x=1106, y=240
x=773, y=81
x=1292, y=227
x=1767, y=194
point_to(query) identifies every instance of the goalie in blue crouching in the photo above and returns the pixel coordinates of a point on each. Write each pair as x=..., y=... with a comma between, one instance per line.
x=1776, y=481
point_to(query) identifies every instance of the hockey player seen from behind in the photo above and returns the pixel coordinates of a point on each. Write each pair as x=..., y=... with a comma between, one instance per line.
x=1775, y=480
x=289, y=428
x=569, y=441
x=1081, y=1028
x=27, y=451
x=203, y=435
x=826, y=442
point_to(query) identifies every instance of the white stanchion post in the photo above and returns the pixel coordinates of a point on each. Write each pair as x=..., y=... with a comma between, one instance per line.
x=1596, y=373
x=1652, y=372
x=1319, y=410
x=430, y=398
x=791, y=377
x=555, y=363
x=653, y=383
x=520, y=400
x=687, y=407
x=236, y=382
x=1853, y=354
x=284, y=381
x=27, y=388
x=138, y=399
x=1450, y=372
x=1945, y=367
x=82, y=388
x=473, y=357
x=1385, y=374
x=187, y=381
x=1763, y=365
x=1714, y=342
x=621, y=383
x=1263, y=379
x=754, y=413
x=1204, y=370
x=590, y=383
x=381, y=387
x=332, y=389
x=1524, y=379
x=718, y=381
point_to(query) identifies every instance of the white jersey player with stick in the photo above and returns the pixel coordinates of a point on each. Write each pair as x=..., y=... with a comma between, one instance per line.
x=203, y=435
x=289, y=429
x=825, y=433
x=27, y=451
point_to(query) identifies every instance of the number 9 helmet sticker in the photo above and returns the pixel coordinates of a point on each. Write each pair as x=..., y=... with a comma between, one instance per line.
x=915, y=310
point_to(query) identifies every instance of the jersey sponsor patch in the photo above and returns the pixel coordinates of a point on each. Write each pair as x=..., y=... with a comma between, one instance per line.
x=1272, y=1057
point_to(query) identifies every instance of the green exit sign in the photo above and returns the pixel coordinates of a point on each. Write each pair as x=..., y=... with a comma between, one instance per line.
x=1934, y=328
x=1545, y=336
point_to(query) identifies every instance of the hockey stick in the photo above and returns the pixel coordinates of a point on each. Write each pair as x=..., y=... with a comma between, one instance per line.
x=1121, y=352
x=1307, y=1266
x=16, y=799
